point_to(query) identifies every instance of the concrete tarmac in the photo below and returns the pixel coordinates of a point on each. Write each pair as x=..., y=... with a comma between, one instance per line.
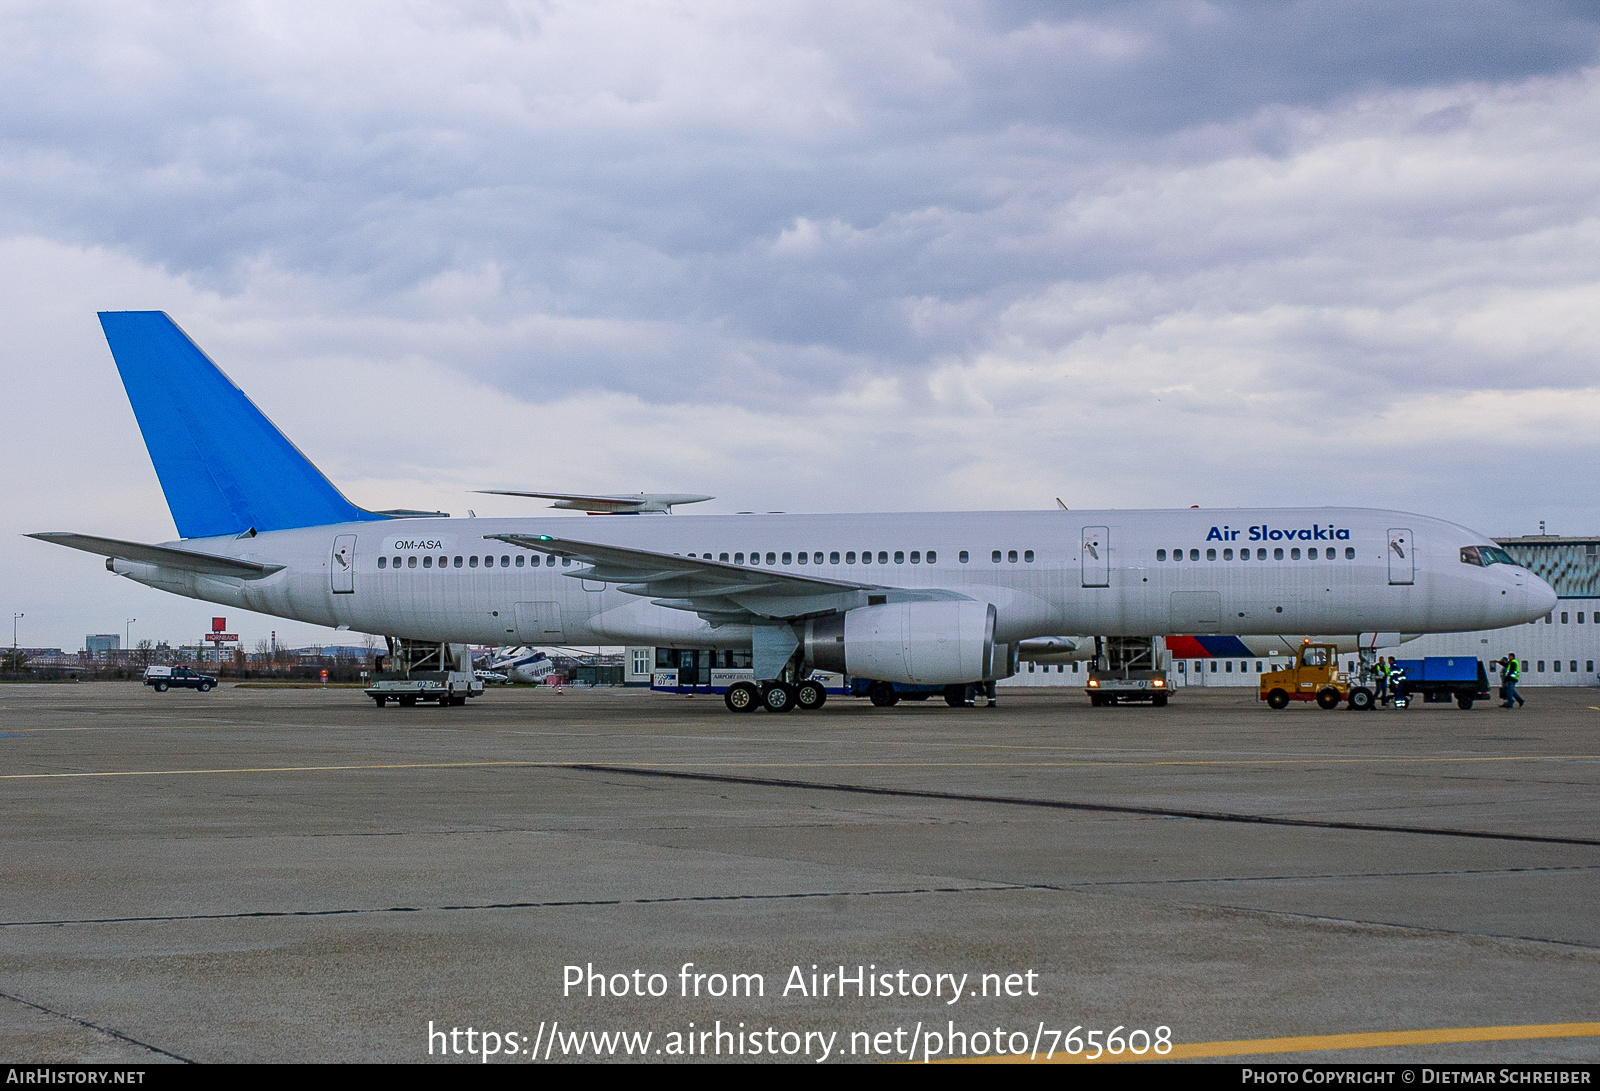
x=295, y=875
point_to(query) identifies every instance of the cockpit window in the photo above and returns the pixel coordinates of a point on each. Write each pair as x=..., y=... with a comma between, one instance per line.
x=1483, y=556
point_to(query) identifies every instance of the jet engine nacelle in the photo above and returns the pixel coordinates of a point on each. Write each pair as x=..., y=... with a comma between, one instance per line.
x=927, y=643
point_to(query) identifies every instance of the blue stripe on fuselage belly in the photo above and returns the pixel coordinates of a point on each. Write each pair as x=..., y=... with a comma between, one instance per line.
x=1224, y=647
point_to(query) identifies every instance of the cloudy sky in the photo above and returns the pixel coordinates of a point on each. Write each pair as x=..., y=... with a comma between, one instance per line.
x=807, y=257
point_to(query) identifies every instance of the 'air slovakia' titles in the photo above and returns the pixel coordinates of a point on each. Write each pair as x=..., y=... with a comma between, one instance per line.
x=1264, y=533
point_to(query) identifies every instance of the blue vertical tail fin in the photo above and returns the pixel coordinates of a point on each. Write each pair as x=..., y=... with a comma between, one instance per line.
x=225, y=468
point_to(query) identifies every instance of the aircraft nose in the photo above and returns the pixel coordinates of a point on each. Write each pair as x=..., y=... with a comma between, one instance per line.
x=1541, y=596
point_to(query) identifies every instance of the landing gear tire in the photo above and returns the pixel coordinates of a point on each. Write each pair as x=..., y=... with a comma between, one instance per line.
x=1277, y=699
x=742, y=697
x=1361, y=699
x=1464, y=703
x=883, y=695
x=810, y=696
x=777, y=697
x=1327, y=699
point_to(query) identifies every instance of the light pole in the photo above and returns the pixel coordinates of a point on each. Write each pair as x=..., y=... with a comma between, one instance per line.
x=14, y=618
x=127, y=638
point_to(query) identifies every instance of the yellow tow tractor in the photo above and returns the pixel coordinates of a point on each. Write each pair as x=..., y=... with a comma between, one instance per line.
x=1315, y=676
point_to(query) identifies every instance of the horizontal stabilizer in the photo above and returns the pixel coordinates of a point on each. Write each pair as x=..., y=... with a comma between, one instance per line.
x=186, y=560
x=223, y=466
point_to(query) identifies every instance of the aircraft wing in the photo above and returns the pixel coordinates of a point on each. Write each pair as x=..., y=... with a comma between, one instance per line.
x=633, y=503
x=716, y=590
x=164, y=556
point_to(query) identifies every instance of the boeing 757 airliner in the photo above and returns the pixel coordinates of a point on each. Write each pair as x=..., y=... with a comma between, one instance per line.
x=939, y=597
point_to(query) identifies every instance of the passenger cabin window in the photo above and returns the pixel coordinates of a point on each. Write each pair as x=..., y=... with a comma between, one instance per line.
x=1194, y=554
x=1277, y=554
x=833, y=558
x=1161, y=554
x=723, y=557
x=472, y=562
x=883, y=556
x=1211, y=554
x=1027, y=556
x=772, y=558
x=962, y=557
x=520, y=560
x=566, y=562
x=1227, y=554
x=1349, y=553
x=427, y=562
x=916, y=556
x=738, y=558
x=899, y=556
x=383, y=562
x=1012, y=556
x=850, y=557
x=933, y=558
x=786, y=559
x=866, y=556
x=1294, y=554
x=995, y=557
x=411, y=562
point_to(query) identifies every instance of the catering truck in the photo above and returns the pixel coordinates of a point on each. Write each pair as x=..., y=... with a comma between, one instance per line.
x=421, y=670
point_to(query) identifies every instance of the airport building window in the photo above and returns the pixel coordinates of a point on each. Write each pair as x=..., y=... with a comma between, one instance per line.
x=962, y=556
x=1030, y=666
x=1277, y=554
x=1258, y=666
x=1161, y=554
x=850, y=558
x=1563, y=617
x=1213, y=666
x=833, y=558
x=1211, y=554
x=1027, y=556
x=1589, y=666
x=1547, y=620
x=1557, y=666
x=883, y=556
x=995, y=557
x=899, y=556
x=916, y=556
x=1541, y=666
x=1349, y=553
x=383, y=562
x=1181, y=665
x=1574, y=666
x=1074, y=668
x=1580, y=617
x=1228, y=667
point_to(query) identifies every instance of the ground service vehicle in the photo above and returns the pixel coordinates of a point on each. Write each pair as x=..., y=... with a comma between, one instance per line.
x=162, y=678
x=1125, y=669
x=1446, y=677
x=1314, y=675
x=420, y=670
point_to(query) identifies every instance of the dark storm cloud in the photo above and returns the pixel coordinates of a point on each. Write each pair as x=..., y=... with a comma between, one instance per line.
x=788, y=186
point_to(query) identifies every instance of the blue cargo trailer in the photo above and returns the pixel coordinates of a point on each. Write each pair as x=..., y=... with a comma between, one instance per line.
x=1439, y=678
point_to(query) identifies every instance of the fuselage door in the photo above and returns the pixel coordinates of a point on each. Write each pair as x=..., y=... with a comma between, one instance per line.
x=539, y=623
x=1402, y=557
x=342, y=566
x=1096, y=556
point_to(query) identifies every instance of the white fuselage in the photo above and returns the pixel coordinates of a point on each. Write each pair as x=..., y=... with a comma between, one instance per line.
x=1090, y=572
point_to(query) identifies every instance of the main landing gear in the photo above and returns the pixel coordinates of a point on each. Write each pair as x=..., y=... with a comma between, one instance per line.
x=775, y=696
